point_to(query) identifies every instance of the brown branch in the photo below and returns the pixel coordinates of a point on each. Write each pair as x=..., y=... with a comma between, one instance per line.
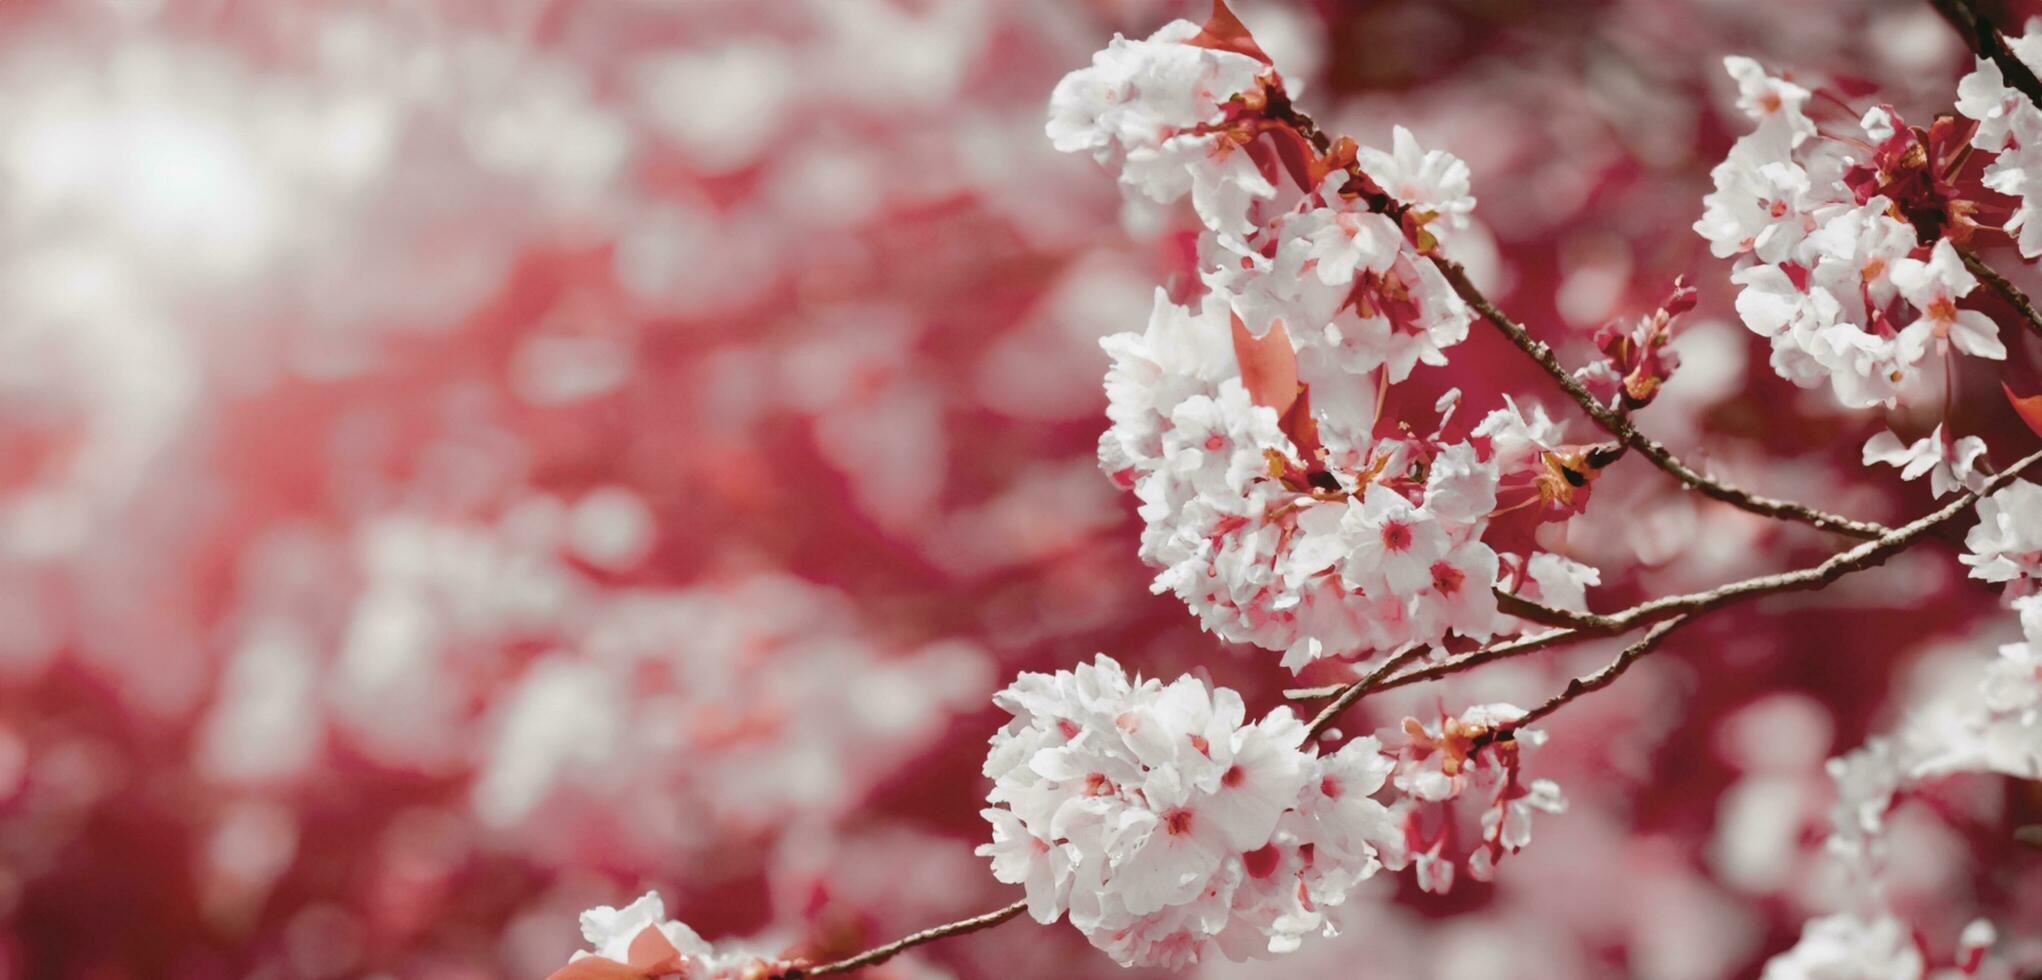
x=1986, y=41
x=1500, y=651
x=1512, y=604
x=880, y=954
x=2012, y=293
x=1619, y=425
x=1867, y=555
x=1583, y=685
x=1353, y=692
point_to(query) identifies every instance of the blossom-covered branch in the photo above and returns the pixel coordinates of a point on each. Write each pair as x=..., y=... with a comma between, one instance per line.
x=1618, y=423
x=1868, y=555
x=1291, y=503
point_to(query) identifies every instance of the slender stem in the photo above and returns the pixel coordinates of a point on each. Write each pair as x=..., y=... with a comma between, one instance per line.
x=1867, y=555
x=1619, y=425
x=1583, y=685
x=1987, y=42
x=2012, y=293
x=1353, y=692
x=880, y=954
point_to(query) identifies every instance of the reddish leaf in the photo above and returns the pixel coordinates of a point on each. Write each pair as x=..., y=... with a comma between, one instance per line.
x=1302, y=428
x=2029, y=408
x=1224, y=32
x=1299, y=159
x=651, y=949
x=597, y=968
x=1269, y=368
x=651, y=954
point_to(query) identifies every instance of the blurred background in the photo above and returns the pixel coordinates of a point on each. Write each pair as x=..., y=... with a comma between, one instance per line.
x=462, y=462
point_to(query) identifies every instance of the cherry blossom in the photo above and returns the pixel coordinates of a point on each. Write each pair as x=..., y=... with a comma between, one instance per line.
x=1277, y=502
x=2010, y=126
x=2006, y=543
x=1480, y=749
x=1141, y=105
x=1847, y=946
x=1434, y=182
x=1769, y=100
x=1167, y=826
x=1934, y=287
x=1951, y=464
x=638, y=940
x=1843, y=259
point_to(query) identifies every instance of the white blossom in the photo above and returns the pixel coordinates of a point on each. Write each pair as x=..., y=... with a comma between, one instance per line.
x=1139, y=106
x=1770, y=100
x=1165, y=825
x=1951, y=464
x=2006, y=543
x=640, y=935
x=2010, y=125
x=1934, y=287
x=1846, y=947
x=1431, y=181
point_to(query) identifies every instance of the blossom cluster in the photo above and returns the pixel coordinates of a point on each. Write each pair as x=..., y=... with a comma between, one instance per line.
x=1166, y=825
x=1480, y=750
x=1876, y=947
x=1993, y=724
x=1846, y=242
x=2010, y=128
x=1280, y=501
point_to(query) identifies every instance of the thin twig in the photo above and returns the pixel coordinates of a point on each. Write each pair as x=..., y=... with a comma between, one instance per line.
x=1619, y=425
x=1864, y=556
x=1353, y=692
x=1583, y=685
x=2012, y=293
x=880, y=954
x=1498, y=651
x=1986, y=41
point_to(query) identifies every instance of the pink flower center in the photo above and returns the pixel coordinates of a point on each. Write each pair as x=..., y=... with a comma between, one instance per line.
x=1233, y=776
x=1261, y=862
x=1446, y=579
x=1331, y=787
x=1397, y=537
x=1177, y=823
x=1215, y=442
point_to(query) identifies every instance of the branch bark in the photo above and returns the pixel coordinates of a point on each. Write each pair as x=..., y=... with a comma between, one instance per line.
x=1593, y=682
x=1619, y=425
x=880, y=954
x=1353, y=692
x=2012, y=293
x=1986, y=41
